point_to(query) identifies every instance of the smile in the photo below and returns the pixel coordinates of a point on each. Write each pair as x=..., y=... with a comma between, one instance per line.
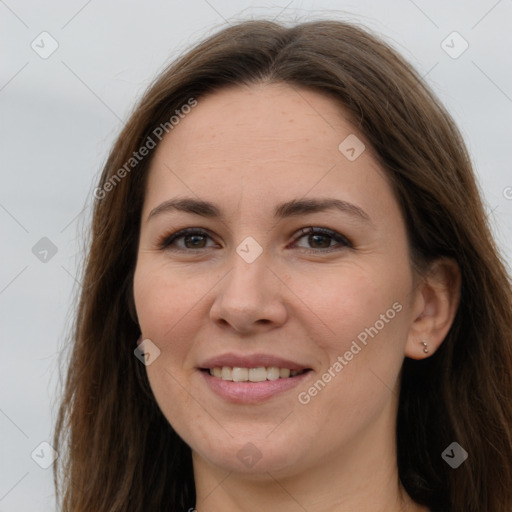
x=259, y=374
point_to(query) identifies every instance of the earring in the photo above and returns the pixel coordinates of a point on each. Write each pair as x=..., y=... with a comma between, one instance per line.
x=425, y=347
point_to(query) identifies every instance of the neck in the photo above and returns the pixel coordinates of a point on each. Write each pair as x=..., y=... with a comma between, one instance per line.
x=316, y=492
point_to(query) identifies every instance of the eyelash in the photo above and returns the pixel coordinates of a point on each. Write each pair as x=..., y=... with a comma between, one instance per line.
x=166, y=241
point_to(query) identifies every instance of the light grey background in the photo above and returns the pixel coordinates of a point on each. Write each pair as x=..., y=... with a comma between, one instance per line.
x=60, y=115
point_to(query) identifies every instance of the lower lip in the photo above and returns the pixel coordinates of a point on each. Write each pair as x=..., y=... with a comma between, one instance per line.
x=251, y=392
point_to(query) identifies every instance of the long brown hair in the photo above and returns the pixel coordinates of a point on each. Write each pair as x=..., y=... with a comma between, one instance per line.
x=118, y=452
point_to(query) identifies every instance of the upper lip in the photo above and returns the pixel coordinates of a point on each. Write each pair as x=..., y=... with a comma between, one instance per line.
x=251, y=361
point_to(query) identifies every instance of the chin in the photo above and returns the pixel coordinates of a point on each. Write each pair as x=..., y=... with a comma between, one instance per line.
x=254, y=456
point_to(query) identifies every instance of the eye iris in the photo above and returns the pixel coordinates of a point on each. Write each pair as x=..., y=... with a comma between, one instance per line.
x=313, y=239
x=195, y=239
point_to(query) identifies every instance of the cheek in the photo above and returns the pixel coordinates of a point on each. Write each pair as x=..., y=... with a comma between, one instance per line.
x=357, y=300
x=365, y=311
x=166, y=308
x=164, y=298
x=162, y=306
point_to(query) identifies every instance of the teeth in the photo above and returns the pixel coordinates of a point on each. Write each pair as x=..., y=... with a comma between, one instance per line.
x=272, y=373
x=259, y=374
x=284, y=373
x=226, y=373
x=240, y=374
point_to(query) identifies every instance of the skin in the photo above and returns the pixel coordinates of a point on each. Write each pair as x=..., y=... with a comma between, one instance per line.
x=248, y=149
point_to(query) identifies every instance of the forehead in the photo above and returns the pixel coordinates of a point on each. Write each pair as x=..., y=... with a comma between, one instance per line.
x=264, y=141
x=246, y=119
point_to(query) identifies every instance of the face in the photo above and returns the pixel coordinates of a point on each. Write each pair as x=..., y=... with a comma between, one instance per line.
x=295, y=276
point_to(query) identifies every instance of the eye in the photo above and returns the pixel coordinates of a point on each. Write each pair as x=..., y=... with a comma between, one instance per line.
x=192, y=238
x=320, y=239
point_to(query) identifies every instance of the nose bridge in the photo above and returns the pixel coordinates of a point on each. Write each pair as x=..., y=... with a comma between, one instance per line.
x=249, y=259
x=249, y=293
x=247, y=280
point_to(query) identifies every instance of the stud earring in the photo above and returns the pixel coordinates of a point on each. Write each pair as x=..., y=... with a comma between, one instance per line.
x=425, y=347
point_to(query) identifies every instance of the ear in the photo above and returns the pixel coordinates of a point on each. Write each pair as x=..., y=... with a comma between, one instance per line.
x=434, y=307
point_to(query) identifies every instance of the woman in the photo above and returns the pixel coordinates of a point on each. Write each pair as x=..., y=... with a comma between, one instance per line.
x=292, y=299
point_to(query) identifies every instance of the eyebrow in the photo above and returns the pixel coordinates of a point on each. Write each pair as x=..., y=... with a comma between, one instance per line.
x=291, y=208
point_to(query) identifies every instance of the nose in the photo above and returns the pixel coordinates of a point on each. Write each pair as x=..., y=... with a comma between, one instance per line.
x=249, y=298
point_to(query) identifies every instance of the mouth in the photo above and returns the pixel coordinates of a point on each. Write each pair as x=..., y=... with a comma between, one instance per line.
x=257, y=374
x=252, y=379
